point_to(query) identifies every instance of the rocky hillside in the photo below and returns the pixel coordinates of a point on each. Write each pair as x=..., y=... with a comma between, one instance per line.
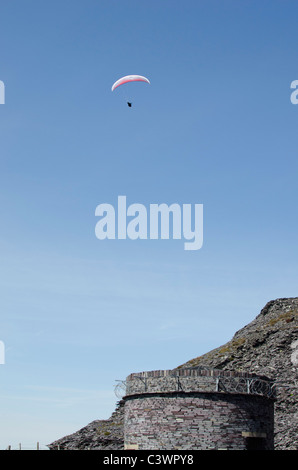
x=266, y=346
x=97, y=435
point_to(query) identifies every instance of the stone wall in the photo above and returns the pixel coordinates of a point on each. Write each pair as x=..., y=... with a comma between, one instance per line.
x=198, y=409
x=201, y=378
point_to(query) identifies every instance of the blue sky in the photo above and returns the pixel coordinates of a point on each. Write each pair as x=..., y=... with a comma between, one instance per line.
x=215, y=126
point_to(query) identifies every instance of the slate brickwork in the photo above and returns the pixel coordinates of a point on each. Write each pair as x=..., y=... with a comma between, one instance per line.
x=198, y=409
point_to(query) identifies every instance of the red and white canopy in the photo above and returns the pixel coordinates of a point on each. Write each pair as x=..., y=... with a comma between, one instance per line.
x=129, y=78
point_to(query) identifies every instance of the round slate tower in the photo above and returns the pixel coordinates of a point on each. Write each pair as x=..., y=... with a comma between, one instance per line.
x=198, y=409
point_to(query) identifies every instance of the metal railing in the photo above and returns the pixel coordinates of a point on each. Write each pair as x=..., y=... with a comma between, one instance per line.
x=221, y=383
x=250, y=386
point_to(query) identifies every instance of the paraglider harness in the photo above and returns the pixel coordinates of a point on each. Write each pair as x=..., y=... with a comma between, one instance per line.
x=129, y=104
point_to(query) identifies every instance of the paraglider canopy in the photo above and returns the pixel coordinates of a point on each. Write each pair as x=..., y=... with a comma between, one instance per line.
x=129, y=78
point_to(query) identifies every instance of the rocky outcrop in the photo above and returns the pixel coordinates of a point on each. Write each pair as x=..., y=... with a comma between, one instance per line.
x=97, y=435
x=266, y=346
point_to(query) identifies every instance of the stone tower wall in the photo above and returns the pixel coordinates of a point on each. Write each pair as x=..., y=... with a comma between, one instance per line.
x=198, y=409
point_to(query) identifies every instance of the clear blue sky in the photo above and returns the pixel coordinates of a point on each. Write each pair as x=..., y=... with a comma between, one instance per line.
x=216, y=126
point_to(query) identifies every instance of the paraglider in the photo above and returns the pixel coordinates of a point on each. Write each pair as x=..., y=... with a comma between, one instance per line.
x=127, y=79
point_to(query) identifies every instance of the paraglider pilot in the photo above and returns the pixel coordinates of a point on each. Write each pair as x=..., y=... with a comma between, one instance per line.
x=129, y=78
